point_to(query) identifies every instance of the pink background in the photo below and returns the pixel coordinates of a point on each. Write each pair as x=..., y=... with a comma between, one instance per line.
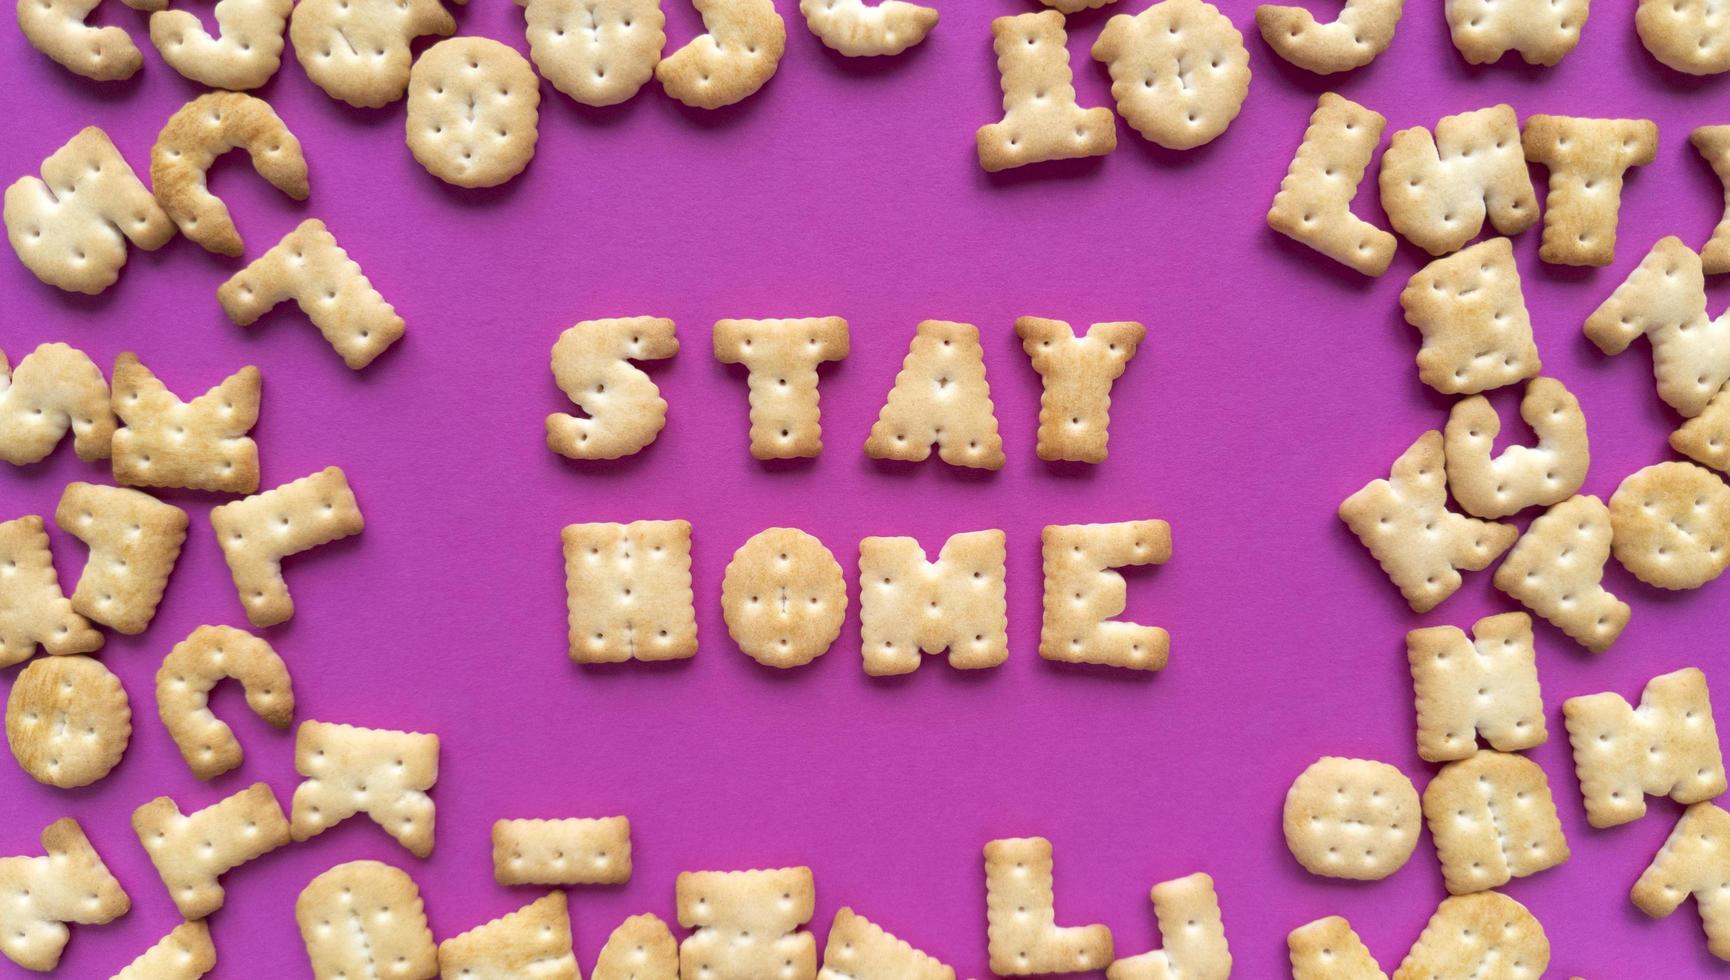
x=1273, y=383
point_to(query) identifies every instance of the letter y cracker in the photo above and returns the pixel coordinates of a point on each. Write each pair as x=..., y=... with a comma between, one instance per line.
x=1314, y=203
x=1586, y=159
x=623, y=409
x=1076, y=375
x=1041, y=120
x=257, y=533
x=628, y=591
x=1022, y=934
x=1472, y=313
x=1083, y=592
x=1668, y=746
x=69, y=884
x=199, y=445
x=745, y=925
x=384, y=774
x=940, y=396
x=782, y=358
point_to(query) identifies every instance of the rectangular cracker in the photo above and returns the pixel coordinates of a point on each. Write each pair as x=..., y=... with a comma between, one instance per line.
x=1485, y=686
x=957, y=603
x=384, y=774
x=192, y=851
x=1493, y=820
x=570, y=851
x=745, y=925
x=1314, y=203
x=1076, y=376
x=628, y=591
x=1022, y=934
x=257, y=533
x=199, y=445
x=33, y=610
x=1668, y=746
x=361, y=914
x=134, y=541
x=1472, y=314
x=781, y=358
x=1083, y=592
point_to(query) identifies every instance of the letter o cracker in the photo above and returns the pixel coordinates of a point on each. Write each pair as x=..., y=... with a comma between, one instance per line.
x=858, y=31
x=1352, y=818
x=1363, y=30
x=1179, y=71
x=599, y=52
x=737, y=55
x=1671, y=525
x=1691, y=36
x=57, y=29
x=358, y=50
x=192, y=139
x=783, y=597
x=1041, y=120
x=244, y=57
x=473, y=111
x=68, y=721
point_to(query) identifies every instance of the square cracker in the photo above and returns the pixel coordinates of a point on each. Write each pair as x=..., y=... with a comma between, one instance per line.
x=1472, y=314
x=571, y=851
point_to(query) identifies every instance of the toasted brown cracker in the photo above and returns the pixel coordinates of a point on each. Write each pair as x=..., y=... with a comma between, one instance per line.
x=384, y=774
x=361, y=914
x=641, y=948
x=1664, y=298
x=1487, y=936
x=908, y=605
x=858, y=31
x=783, y=597
x=57, y=29
x=859, y=949
x=186, y=953
x=1076, y=375
x=1041, y=120
x=1179, y=71
x=1705, y=438
x=1666, y=747
x=737, y=54
x=1472, y=313
x=1314, y=203
x=195, y=136
x=257, y=533
x=198, y=445
x=1557, y=569
x=572, y=851
x=192, y=851
x=1352, y=818
x=1485, y=686
x=532, y=942
x=1586, y=159
x=1694, y=861
x=623, y=410
x=1691, y=36
x=358, y=50
x=1542, y=31
x=68, y=721
x=1192, y=933
x=745, y=925
x=53, y=389
x=244, y=57
x=1361, y=32
x=940, y=396
x=195, y=666
x=473, y=111
x=1671, y=525
x=1438, y=189
x=1328, y=949
x=1493, y=820
x=134, y=541
x=607, y=61
x=33, y=610
x=628, y=591
x=1522, y=476
x=69, y=884
x=1084, y=592
x=781, y=357
x=1022, y=934
x=1713, y=142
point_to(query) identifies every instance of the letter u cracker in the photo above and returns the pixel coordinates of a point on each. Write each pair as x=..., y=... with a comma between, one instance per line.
x=745, y=925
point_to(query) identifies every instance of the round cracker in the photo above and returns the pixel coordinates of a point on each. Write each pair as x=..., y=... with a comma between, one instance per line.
x=1352, y=818
x=1670, y=525
x=473, y=111
x=783, y=597
x=68, y=720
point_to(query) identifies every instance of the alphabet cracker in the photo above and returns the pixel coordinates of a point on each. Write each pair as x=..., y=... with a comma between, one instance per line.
x=361, y=914
x=1705, y=438
x=1083, y=592
x=1179, y=71
x=1438, y=189
x=1522, y=476
x=244, y=57
x=1713, y=142
x=358, y=50
x=1664, y=298
x=192, y=851
x=1329, y=949
x=1493, y=820
x=1472, y=313
x=1586, y=159
x=1668, y=746
x=1485, y=686
x=473, y=111
x=69, y=884
x=1314, y=203
x=1041, y=120
x=186, y=953
x=1486, y=936
x=628, y=591
x=599, y=52
x=1352, y=818
x=859, y=949
x=134, y=541
x=783, y=598
x=1363, y=30
x=192, y=139
x=1076, y=375
x=1691, y=36
x=309, y=267
x=858, y=31
x=53, y=389
x=940, y=396
x=257, y=533
x=195, y=666
x=781, y=357
x=1670, y=525
x=624, y=409
x=1542, y=31
x=198, y=445
x=1022, y=934
x=1191, y=931
x=57, y=29
x=1405, y=522
x=534, y=941
x=737, y=55
x=572, y=851
x=908, y=605
x=68, y=721
x=33, y=610
x=1557, y=569
x=383, y=774
x=745, y=925
x=1694, y=861
x=71, y=226
x=641, y=948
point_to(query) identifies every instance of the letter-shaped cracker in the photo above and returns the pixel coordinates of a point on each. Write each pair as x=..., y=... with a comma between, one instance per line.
x=783, y=597
x=1076, y=375
x=1705, y=438
x=534, y=941
x=1694, y=861
x=192, y=139
x=71, y=226
x=1363, y=30
x=1405, y=522
x=1488, y=936
x=1084, y=592
x=33, y=610
x=1691, y=36
x=1485, y=686
x=641, y=948
x=1352, y=818
x=1493, y=820
x=1329, y=949
x=198, y=445
x=1438, y=189
x=134, y=541
x=381, y=773
x=1472, y=313
x=1314, y=203
x=859, y=949
x=624, y=409
x=737, y=54
x=257, y=533
x=473, y=111
x=1586, y=159
x=1557, y=568
x=1666, y=747
x=1522, y=476
x=1022, y=935
x=244, y=57
x=1542, y=31
x=940, y=396
x=68, y=721
x=628, y=591
x=1191, y=931
x=57, y=29
x=781, y=358
x=745, y=925
x=1179, y=71
x=599, y=52
x=191, y=851
x=908, y=604
x=1664, y=298
x=70, y=884
x=1670, y=525
x=358, y=50
x=858, y=31
x=572, y=851
x=53, y=389
x=195, y=666
x=186, y=953
x=1713, y=142
x=1041, y=120
x=363, y=913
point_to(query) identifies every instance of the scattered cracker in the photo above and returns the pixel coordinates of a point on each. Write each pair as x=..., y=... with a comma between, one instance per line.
x=1472, y=313
x=1664, y=298
x=358, y=50
x=198, y=133
x=956, y=604
x=473, y=111
x=858, y=31
x=641, y=948
x=1691, y=36
x=781, y=357
x=1705, y=438
x=572, y=851
x=1041, y=120
x=623, y=409
x=628, y=591
x=1522, y=476
x=1586, y=159
x=257, y=533
x=940, y=396
x=1666, y=747
x=1314, y=203
x=783, y=597
x=1023, y=937
x=1487, y=935
x=1671, y=525
x=33, y=610
x=69, y=884
x=53, y=389
x=745, y=925
x=244, y=57
x=64, y=225
x=1352, y=818
x=1363, y=30
x=1179, y=71
x=1076, y=6
x=1692, y=862
x=192, y=851
x=195, y=666
x=1492, y=819
x=1557, y=569
x=608, y=59
x=381, y=773
x=186, y=953
x=859, y=949
x=1191, y=931
x=134, y=541
x=68, y=721
x=1485, y=686
x=1438, y=189
x=1084, y=592
x=1713, y=142
x=1076, y=375
x=534, y=941
x=197, y=445
x=363, y=913
x=1328, y=949
x=1542, y=31
x=737, y=54
x=57, y=28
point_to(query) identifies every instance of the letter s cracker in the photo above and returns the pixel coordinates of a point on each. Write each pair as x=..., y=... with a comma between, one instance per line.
x=1041, y=120
x=623, y=410
x=53, y=389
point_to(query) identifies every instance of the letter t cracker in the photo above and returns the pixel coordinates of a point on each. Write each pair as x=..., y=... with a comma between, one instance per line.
x=1083, y=592
x=628, y=591
x=782, y=358
x=1077, y=375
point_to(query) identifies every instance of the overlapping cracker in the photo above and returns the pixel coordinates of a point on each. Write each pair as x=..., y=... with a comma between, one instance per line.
x=1438, y=189
x=1668, y=746
x=1492, y=819
x=33, y=610
x=599, y=52
x=532, y=942
x=195, y=136
x=940, y=396
x=195, y=666
x=858, y=31
x=64, y=225
x=1022, y=935
x=473, y=111
x=1671, y=525
x=783, y=597
x=358, y=50
x=363, y=913
x=1191, y=933
x=909, y=605
x=198, y=445
x=57, y=28
x=1691, y=36
x=1542, y=31
x=1586, y=159
x=186, y=953
x=53, y=389
x=246, y=54
x=1664, y=299
x=859, y=949
x=1314, y=203
x=68, y=721
x=745, y=925
x=737, y=54
x=1076, y=375
x=623, y=410
x=1472, y=313
x=1705, y=438
x=257, y=533
x=1522, y=476
x=134, y=541
x=1041, y=120
x=1713, y=142
x=641, y=948
x=781, y=357
x=381, y=773
x=1557, y=570
x=192, y=851
x=1361, y=32
x=1179, y=71
x=571, y=851
x=1352, y=818
x=69, y=884
x=1482, y=687
x=1694, y=861
x=1084, y=592
x=628, y=591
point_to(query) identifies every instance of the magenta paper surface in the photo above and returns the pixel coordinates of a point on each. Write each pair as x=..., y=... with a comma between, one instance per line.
x=1273, y=383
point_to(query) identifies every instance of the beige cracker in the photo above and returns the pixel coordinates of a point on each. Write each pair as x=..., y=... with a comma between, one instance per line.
x=1041, y=120
x=1329, y=949
x=1557, y=570
x=599, y=52
x=532, y=943
x=737, y=54
x=1694, y=861
x=192, y=139
x=783, y=597
x=1361, y=32
x=358, y=50
x=1352, y=818
x=940, y=396
x=781, y=359
x=134, y=541
x=244, y=57
x=1076, y=375
x=33, y=610
x=1668, y=746
x=1542, y=31
x=909, y=605
x=1691, y=36
x=623, y=409
x=1670, y=525
x=1022, y=934
x=198, y=445
x=257, y=533
x=69, y=884
x=1586, y=159
x=186, y=953
x=745, y=925
x=1493, y=820
x=1438, y=189
x=1713, y=142
x=1705, y=438
x=383, y=774
x=1522, y=476
x=192, y=851
x=1485, y=936
x=1314, y=203
x=195, y=666
x=1179, y=71
x=572, y=851
x=473, y=111
x=361, y=914
x=1664, y=298
x=1482, y=687
x=859, y=949
x=1084, y=592
x=57, y=28
x=628, y=591
x=1191, y=931
x=53, y=389
x=68, y=721
x=641, y=948
x=859, y=31
x=1472, y=314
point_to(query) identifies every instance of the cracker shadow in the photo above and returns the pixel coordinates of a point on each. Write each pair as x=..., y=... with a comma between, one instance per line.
x=1078, y=168
x=907, y=469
